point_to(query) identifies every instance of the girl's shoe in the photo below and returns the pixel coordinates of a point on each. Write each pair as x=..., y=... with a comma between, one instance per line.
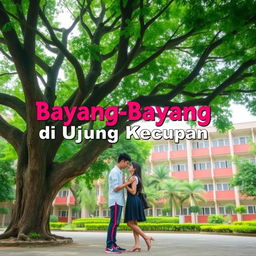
x=136, y=249
x=148, y=242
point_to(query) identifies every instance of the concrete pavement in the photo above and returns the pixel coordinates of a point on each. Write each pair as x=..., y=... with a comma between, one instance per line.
x=165, y=244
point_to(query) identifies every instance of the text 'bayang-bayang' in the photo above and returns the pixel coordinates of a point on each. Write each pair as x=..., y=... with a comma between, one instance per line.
x=74, y=119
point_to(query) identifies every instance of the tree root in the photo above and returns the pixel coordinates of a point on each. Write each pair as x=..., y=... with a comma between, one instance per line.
x=23, y=237
x=60, y=237
x=8, y=234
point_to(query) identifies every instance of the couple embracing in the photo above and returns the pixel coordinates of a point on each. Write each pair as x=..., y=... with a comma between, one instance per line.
x=134, y=211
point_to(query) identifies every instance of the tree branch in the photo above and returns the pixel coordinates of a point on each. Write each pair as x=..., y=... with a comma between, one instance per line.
x=30, y=28
x=230, y=80
x=67, y=54
x=14, y=103
x=152, y=20
x=8, y=73
x=12, y=134
x=167, y=46
x=195, y=72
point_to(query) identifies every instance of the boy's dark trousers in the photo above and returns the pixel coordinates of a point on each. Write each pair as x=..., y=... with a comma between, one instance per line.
x=115, y=217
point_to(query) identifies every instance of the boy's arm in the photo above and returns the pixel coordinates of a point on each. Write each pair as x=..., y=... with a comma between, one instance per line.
x=120, y=187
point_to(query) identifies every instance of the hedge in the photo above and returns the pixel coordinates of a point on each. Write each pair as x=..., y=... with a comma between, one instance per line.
x=83, y=222
x=249, y=222
x=57, y=225
x=230, y=228
x=148, y=227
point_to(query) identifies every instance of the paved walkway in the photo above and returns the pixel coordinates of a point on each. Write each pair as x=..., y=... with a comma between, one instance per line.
x=165, y=244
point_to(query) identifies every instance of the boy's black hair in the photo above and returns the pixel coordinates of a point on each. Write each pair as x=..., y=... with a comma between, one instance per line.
x=124, y=157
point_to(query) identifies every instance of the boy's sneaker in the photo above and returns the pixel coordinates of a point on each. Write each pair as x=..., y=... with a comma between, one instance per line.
x=119, y=248
x=112, y=250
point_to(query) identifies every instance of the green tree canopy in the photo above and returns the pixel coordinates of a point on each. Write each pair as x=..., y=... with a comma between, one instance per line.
x=245, y=178
x=7, y=176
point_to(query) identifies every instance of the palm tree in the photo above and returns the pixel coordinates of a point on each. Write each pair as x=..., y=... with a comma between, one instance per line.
x=172, y=192
x=193, y=192
x=161, y=174
x=152, y=195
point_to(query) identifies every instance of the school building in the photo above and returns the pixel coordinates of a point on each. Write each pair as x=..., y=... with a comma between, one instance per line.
x=208, y=161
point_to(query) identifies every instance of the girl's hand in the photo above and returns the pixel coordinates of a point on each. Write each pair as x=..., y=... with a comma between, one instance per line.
x=130, y=181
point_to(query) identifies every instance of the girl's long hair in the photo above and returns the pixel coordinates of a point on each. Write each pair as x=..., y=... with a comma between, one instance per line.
x=137, y=173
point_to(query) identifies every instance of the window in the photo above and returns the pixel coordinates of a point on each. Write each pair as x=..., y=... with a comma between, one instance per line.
x=241, y=140
x=220, y=142
x=75, y=213
x=223, y=187
x=184, y=211
x=251, y=209
x=222, y=164
x=221, y=210
x=178, y=147
x=106, y=213
x=229, y=211
x=200, y=144
x=207, y=210
x=179, y=167
x=160, y=148
x=149, y=212
x=63, y=193
x=63, y=213
x=159, y=212
x=202, y=166
x=208, y=187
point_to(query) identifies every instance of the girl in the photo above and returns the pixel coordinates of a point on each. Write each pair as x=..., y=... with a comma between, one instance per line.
x=134, y=211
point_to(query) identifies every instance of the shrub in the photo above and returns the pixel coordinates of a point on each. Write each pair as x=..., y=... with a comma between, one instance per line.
x=34, y=235
x=194, y=209
x=215, y=219
x=4, y=210
x=53, y=218
x=57, y=225
x=240, y=209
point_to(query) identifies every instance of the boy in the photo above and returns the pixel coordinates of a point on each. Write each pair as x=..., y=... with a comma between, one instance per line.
x=116, y=201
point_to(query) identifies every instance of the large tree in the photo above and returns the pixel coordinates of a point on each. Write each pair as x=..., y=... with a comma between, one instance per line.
x=245, y=178
x=174, y=53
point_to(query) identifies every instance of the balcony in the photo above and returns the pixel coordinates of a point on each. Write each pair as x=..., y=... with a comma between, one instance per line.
x=208, y=196
x=225, y=150
x=178, y=154
x=245, y=148
x=159, y=156
x=223, y=172
x=202, y=174
x=72, y=200
x=225, y=195
x=200, y=152
x=180, y=175
x=60, y=200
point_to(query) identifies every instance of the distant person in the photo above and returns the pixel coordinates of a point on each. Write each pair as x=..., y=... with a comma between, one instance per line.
x=134, y=211
x=116, y=201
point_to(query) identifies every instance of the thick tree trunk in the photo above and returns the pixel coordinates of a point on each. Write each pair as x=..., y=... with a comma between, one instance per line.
x=33, y=204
